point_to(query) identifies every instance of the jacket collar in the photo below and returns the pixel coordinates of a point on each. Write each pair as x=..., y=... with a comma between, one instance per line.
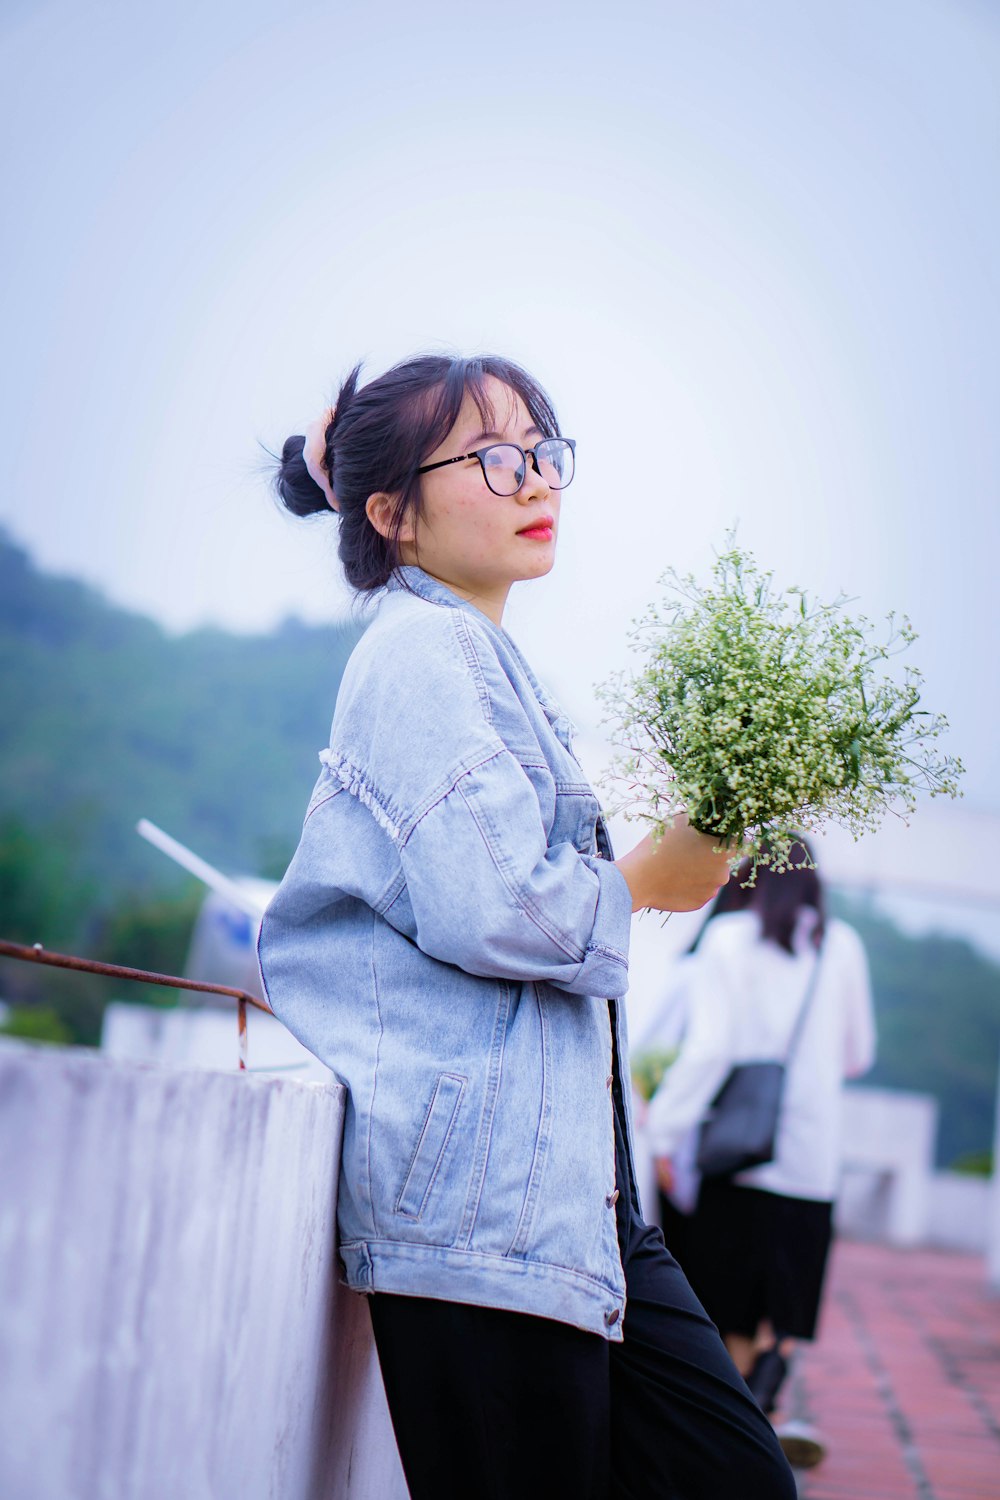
x=408, y=576
x=416, y=581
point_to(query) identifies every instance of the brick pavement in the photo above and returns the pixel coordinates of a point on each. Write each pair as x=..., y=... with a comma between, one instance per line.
x=904, y=1379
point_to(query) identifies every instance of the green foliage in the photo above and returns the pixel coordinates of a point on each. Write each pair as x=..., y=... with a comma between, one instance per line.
x=76, y=1000
x=648, y=1069
x=273, y=856
x=152, y=934
x=937, y=1003
x=35, y=1024
x=760, y=713
x=974, y=1164
x=212, y=735
x=40, y=893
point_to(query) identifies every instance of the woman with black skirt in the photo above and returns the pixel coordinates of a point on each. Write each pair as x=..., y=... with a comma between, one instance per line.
x=759, y=1241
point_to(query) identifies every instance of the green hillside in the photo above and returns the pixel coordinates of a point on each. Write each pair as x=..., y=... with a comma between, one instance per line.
x=937, y=1001
x=107, y=718
x=214, y=736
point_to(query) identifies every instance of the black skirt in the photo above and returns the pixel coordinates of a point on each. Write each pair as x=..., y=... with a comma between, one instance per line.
x=755, y=1255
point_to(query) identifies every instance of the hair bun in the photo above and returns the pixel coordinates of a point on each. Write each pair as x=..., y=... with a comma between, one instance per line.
x=298, y=490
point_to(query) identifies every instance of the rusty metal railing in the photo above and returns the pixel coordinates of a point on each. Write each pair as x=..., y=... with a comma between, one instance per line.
x=36, y=954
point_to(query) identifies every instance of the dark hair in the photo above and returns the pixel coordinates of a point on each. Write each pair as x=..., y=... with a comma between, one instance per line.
x=380, y=435
x=778, y=898
x=735, y=895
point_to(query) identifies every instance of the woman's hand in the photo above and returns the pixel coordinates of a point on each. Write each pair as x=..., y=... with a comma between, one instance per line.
x=678, y=872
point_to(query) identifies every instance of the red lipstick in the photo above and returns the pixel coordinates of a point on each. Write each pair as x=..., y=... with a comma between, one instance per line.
x=540, y=530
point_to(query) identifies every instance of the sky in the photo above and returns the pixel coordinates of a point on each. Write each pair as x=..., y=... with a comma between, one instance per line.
x=751, y=250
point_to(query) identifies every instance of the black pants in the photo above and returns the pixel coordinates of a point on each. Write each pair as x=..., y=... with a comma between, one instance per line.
x=494, y=1405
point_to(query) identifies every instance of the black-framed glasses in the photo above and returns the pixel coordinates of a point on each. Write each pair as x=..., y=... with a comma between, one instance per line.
x=505, y=465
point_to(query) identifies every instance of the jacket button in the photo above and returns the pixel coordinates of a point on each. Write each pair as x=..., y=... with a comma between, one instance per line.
x=612, y=1198
x=611, y=1318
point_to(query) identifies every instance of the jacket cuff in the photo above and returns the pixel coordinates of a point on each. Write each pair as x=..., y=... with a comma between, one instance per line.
x=604, y=969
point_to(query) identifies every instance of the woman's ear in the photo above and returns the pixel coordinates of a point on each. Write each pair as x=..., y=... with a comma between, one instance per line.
x=379, y=509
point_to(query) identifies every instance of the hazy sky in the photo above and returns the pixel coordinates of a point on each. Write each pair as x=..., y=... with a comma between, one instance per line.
x=752, y=250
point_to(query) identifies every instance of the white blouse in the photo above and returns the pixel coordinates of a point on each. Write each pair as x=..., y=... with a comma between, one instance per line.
x=743, y=996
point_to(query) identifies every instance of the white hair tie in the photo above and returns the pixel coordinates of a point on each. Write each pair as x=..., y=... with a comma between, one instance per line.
x=314, y=456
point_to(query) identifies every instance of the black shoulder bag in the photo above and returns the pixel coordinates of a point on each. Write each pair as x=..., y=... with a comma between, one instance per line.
x=741, y=1127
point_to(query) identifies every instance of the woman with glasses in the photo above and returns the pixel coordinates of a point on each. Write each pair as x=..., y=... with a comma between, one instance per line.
x=451, y=938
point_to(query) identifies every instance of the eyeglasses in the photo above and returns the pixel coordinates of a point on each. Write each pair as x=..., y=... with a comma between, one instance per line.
x=505, y=465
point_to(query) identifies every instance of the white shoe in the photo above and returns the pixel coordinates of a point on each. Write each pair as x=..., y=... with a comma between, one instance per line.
x=801, y=1444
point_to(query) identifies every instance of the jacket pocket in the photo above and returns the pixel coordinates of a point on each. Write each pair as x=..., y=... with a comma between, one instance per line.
x=431, y=1144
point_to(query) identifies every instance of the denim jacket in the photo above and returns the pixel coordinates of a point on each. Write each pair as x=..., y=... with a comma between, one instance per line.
x=451, y=939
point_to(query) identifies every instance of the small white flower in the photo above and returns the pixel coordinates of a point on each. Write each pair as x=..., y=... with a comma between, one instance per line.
x=756, y=712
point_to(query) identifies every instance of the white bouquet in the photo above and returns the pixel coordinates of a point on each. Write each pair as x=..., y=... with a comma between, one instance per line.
x=760, y=714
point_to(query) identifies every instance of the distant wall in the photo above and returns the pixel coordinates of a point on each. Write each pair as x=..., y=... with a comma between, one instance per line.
x=173, y=1324
x=890, y=1191
x=958, y=1212
x=888, y=1156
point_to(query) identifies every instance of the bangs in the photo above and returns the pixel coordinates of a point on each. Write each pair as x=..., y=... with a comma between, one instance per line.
x=472, y=376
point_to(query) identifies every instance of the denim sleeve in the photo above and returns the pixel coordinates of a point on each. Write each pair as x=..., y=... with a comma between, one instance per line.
x=484, y=892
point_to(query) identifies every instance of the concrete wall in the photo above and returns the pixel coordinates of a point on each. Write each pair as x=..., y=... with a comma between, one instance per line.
x=888, y=1156
x=890, y=1190
x=206, y=1037
x=173, y=1324
x=958, y=1212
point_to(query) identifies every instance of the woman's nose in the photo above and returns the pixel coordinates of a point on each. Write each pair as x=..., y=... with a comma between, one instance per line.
x=534, y=486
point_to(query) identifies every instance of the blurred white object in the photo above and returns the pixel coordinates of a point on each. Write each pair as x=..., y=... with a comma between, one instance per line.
x=240, y=894
x=223, y=946
x=200, y=1031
